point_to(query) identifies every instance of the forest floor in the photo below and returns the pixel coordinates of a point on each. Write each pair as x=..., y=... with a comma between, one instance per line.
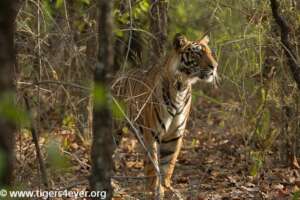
x=211, y=166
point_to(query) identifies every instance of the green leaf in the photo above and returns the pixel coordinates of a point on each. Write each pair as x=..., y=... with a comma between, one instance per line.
x=266, y=122
x=263, y=129
x=100, y=96
x=47, y=8
x=55, y=158
x=117, y=111
x=144, y=5
x=69, y=121
x=87, y=2
x=257, y=162
x=12, y=112
x=59, y=3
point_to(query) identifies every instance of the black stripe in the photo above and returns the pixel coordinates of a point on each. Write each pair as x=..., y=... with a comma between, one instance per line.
x=188, y=63
x=176, y=129
x=188, y=95
x=180, y=125
x=141, y=130
x=155, y=136
x=171, y=140
x=185, y=70
x=159, y=119
x=179, y=112
x=170, y=99
x=183, y=107
x=188, y=98
x=166, y=152
x=164, y=162
x=166, y=100
x=170, y=112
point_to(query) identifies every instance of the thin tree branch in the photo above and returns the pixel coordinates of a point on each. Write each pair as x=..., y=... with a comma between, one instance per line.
x=37, y=147
x=68, y=84
x=138, y=136
x=130, y=35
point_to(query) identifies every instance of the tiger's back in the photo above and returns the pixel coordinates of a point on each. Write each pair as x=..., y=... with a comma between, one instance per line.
x=134, y=90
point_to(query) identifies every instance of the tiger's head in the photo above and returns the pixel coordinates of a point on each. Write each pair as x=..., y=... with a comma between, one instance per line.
x=196, y=59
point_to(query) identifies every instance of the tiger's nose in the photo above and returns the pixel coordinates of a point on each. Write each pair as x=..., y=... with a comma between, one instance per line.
x=213, y=66
x=210, y=66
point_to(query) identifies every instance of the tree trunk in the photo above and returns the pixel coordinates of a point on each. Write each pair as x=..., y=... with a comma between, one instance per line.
x=158, y=25
x=292, y=58
x=7, y=62
x=293, y=63
x=102, y=147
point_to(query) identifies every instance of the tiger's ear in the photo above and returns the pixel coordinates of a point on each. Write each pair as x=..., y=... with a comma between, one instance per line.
x=204, y=40
x=179, y=41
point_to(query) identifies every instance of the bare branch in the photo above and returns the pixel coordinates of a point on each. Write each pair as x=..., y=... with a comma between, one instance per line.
x=37, y=147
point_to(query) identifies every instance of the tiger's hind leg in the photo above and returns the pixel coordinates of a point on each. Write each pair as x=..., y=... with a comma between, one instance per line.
x=169, y=151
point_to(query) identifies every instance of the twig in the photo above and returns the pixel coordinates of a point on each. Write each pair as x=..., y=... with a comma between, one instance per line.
x=141, y=82
x=130, y=36
x=67, y=16
x=37, y=147
x=33, y=130
x=77, y=159
x=140, y=139
x=233, y=8
x=56, y=83
x=138, y=30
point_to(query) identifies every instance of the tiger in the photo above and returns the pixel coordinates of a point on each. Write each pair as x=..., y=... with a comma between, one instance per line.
x=158, y=103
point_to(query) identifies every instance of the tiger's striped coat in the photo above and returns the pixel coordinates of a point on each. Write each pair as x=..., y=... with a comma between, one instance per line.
x=158, y=102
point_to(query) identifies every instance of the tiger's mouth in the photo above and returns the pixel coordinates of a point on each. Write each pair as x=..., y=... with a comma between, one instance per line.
x=209, y=76
x=206, y=74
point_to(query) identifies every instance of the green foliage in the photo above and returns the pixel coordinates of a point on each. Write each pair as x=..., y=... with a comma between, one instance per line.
x=101, y=98
x=55, y=158
x=100, y=95
x=12, y=112
x=263, y=128
x=296, y=195
x=87, y=2
x=138, y=11
x=59, y=3
x=69, y=121
x=51, y=9
x=47, y=7
x=138, y=15
x=118, y=108
x=242, y=32
x=257, y=159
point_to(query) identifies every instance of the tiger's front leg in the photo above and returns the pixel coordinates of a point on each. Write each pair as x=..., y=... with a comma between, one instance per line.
x=153, y=179
x=169, y=151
